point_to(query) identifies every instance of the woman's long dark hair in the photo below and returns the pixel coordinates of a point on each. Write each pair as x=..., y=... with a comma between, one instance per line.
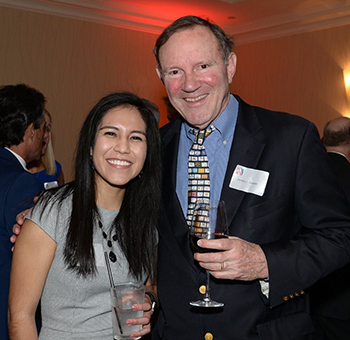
x=137, y=220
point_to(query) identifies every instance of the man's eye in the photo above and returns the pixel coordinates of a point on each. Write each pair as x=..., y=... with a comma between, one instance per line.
x=203, y=66
x=173, y=73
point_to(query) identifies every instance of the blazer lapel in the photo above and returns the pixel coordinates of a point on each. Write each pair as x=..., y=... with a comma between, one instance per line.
x=246, y=151
x=177, y=227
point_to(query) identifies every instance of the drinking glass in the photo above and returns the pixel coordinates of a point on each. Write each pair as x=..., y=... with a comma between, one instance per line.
x=123, y=297
x=209, y=222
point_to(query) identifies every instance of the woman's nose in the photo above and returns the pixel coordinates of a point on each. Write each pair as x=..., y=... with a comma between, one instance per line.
x=122, y=146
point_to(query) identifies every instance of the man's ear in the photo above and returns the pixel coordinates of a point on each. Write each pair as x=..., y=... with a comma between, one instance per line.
x=29, y=133
x=32, y=129
x=159, y=73
x=231, y=66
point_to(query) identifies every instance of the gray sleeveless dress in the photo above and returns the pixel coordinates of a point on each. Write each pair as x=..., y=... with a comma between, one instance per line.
x=73, y=307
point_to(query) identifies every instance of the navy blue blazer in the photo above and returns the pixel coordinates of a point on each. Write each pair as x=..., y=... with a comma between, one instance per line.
x=17, y=189
x=302, y=223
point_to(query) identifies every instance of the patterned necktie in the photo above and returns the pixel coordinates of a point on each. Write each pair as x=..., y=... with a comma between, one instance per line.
x=198, y=172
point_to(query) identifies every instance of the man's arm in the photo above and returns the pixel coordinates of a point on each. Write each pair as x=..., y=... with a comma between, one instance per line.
x=293, y=265
x=21, y=198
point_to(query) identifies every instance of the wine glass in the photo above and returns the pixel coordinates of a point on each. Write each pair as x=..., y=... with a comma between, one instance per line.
x=209, y=222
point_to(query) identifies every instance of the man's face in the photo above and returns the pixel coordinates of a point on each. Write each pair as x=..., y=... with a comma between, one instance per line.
x=47, y=133
x=195, y=75
x=37, y=142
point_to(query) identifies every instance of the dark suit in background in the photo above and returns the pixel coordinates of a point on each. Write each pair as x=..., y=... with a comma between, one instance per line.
x=342, y=168
x=330, y=297
x=302, y=190
x=17, y=189
x=21, y=131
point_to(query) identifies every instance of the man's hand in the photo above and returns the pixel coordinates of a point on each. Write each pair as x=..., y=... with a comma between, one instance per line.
x=236, y=260
x=17, y=227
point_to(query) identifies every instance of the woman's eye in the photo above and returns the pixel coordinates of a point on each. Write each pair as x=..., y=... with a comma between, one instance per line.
x=136, y=138
x=110, y=133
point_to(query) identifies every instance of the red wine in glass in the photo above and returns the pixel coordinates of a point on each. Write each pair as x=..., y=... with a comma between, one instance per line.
x=197, y=249
x=209, y=222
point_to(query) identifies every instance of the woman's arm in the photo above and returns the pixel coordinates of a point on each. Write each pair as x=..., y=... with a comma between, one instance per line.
x=31, y=262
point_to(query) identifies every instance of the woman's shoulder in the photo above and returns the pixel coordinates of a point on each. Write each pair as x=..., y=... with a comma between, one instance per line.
x=51, y=212
x=56, y=200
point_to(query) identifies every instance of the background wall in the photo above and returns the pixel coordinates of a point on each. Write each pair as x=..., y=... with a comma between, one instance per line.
x=75, y=63
x=300, y=74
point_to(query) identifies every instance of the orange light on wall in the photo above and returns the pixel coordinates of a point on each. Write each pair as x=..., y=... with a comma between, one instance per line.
x=347, y=87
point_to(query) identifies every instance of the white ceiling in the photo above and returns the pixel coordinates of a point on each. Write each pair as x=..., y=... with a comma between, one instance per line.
x=247, y=20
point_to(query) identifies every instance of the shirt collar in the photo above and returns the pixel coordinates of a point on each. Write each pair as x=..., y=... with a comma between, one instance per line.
x=339, y=153
x=223, y=123
x=19, y=158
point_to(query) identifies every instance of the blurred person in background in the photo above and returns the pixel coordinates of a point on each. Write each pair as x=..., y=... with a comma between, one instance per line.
x=47, y=169
x=21, y=138
x=330, y=297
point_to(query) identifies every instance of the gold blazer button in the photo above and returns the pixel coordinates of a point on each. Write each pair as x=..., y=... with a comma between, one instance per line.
x=208, y=336
x=202, y=289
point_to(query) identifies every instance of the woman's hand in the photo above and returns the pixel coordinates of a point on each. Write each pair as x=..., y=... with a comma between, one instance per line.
x=145, y=320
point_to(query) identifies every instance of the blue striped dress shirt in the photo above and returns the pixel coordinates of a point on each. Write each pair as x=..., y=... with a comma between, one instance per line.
x=217, y=146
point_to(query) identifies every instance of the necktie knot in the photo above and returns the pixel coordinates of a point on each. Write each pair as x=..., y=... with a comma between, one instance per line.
x=200, y=135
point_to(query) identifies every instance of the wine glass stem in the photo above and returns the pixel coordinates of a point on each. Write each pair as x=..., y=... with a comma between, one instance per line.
x=207, y=292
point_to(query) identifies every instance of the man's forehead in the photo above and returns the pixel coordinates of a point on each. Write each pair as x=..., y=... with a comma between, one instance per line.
x=186, y=40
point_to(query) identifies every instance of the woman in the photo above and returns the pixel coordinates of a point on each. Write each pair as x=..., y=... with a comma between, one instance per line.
x=111, y=206
x=47, y=169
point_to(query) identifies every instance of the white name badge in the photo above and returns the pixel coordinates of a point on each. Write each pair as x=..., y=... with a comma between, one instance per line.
x=99, y=255
x=249, y=180
x=50, y=185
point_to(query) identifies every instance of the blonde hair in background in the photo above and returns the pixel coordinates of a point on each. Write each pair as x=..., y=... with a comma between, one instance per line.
x=49, y=158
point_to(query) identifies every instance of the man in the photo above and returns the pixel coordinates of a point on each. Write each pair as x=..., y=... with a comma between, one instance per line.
x=336, y=138
x=21, y=140
x=267, y=167
x=330, y=297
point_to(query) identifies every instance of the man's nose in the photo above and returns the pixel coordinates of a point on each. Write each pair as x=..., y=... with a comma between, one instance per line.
x=191, y=82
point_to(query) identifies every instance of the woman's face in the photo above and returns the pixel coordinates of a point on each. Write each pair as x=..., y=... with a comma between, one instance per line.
x=47, y=133
x=120, y=147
